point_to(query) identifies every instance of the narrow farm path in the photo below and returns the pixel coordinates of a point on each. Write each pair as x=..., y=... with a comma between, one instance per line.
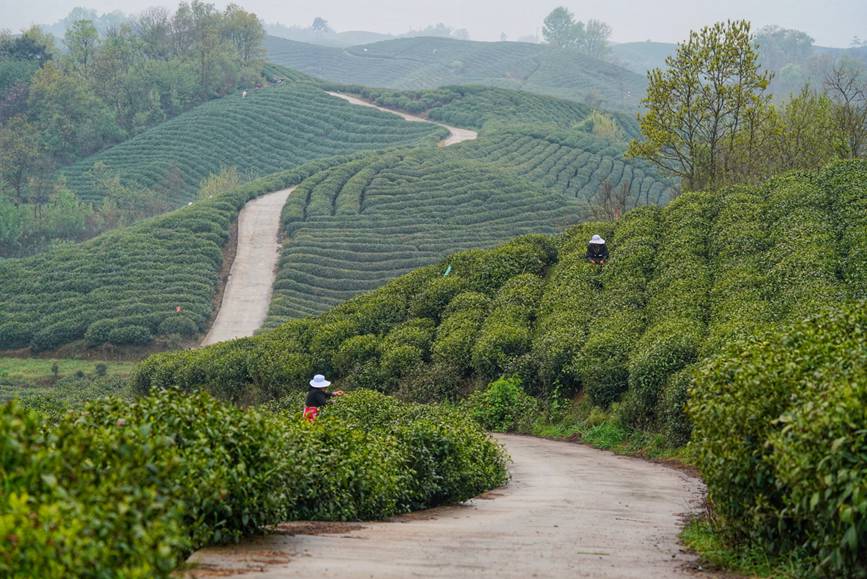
x=456, y=135
x=251, y=279
x=569, y=511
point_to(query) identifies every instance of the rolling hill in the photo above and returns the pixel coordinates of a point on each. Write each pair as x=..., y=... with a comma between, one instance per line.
x=677, y=289
x=272, y=129
x=354, y=226
x=425, y=62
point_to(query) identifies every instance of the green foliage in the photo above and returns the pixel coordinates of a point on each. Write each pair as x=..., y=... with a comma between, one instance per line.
x=710, y=91
x=502, y=406
x=135, y=277
x=130, y=488
x=779, y=434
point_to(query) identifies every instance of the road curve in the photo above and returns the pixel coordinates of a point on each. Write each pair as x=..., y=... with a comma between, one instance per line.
x=251, y=279
x=456, y=135
x=569, y=511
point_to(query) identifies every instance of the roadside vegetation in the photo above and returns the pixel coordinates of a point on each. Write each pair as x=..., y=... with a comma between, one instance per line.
x=132, y=487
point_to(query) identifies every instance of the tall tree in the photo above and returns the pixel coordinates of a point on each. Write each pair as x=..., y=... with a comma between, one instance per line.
x=710, y=91
x=320, y=26
x=20, y=153
x=560, y=29
x=246, y=32
x=82, y=40
x=596, y=35
x=154, y=29
x=847, y=86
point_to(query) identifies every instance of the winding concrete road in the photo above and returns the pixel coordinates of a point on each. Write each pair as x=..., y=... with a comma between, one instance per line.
x=248, y=292
x=569, y=511
x=251, y=279
x=456, y=135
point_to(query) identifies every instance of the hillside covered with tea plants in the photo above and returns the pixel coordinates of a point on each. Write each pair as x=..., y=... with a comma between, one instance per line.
x=426, y=62
x=124, y=286
x=354, y=226
x=354, y=223
x=674, y=312
x=272, y=129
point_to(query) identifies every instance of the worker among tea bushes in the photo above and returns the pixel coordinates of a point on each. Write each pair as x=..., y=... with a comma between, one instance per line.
x=317, y=397
x=597, y=251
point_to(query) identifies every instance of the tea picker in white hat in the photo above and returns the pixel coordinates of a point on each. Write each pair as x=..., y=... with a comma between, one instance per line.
x=597, y=251
x=317, y=396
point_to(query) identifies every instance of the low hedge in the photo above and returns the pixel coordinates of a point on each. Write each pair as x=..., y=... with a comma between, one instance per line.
x=780, y=433
x=128, y=489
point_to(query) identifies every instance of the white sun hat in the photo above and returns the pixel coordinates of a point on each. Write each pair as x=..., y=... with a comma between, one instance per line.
x=597, y=239
x=319, y=381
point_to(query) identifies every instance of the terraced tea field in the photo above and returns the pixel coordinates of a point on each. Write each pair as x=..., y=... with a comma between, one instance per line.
x=362, y=223
x=272, y=129
x=355, y=226
x=420, y=63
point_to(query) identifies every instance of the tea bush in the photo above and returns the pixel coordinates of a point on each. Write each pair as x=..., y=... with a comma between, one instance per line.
x=502, y=406
x=130, y=488
x=779, y=429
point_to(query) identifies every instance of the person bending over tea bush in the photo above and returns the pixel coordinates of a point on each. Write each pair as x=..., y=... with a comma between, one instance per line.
x=318, y=396
x=597, y=251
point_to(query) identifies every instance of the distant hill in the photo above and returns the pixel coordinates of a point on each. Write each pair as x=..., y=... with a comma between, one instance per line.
x=639, y=57
x=426, y=62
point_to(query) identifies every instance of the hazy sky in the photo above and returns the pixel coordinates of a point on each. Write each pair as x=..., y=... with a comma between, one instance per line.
x=830, y=22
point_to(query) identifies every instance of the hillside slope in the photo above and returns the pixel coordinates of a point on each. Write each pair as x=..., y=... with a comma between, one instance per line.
x=272, y=129
x=355, y=226
x=683, y=281
x=124, y=287
x=425, y=62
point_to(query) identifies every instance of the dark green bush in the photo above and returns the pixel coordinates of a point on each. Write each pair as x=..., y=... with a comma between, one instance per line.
x=182, y=325
x=502, y=406
x=778, y=443
x=129, y=488
x=133, y=335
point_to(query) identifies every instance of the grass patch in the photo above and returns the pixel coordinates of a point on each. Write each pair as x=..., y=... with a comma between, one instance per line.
x=40, y=372
x=700, y=536
x=603, y=429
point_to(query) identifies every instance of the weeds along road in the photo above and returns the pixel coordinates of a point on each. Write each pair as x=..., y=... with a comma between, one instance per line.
x=248, y=291
x=251, y=279
x=569, y=511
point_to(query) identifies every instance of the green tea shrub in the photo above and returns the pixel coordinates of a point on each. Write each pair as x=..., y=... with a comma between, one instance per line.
x=846, y=186
x=676, y=306
x=602, y=363
x=778, y=442
x=133, y=335
x=565, y=310
x=130, y=488
x=507, y=332
x=184, y=326
x=502, y=406
x=438, y=382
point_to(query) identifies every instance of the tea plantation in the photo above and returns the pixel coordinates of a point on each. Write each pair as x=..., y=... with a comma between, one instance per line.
x=480, y=106
x=355, y=226
x=671, y=313
x=272, y=129
x=124, y=286
x=425, y=62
